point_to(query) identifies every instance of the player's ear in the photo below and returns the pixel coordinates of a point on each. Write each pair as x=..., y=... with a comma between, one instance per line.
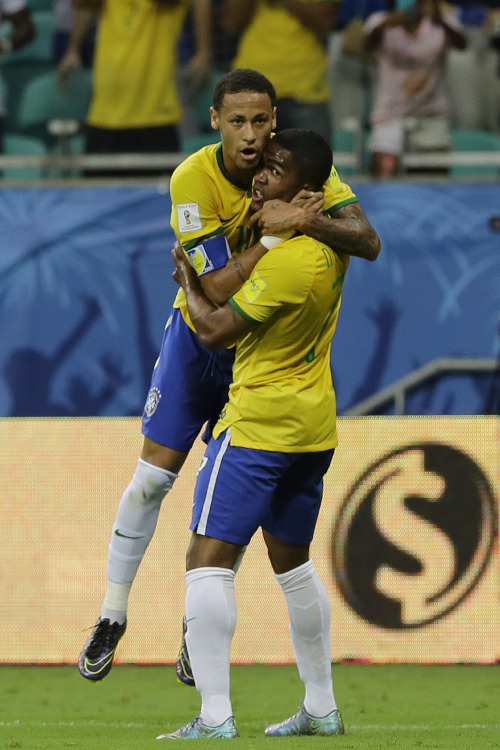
x=274, y=119
x=214, y=119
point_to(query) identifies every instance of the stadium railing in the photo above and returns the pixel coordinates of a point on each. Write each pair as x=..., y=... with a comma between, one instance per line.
x=398, y=391
x=66, y=164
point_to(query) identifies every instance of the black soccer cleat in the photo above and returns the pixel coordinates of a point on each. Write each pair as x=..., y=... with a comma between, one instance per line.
x=96, y=659
x=183, y=665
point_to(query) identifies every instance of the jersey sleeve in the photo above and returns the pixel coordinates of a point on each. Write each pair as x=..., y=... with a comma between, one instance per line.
x=195, y=205
x=337, y=193
x=282, y=277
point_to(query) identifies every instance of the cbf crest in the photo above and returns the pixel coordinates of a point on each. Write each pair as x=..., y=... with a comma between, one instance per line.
x=152, y=401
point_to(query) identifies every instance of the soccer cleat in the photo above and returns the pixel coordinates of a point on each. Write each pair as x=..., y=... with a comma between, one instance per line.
x=183, y=665
x=304, y=723
x=195, y=730
x=96, y=659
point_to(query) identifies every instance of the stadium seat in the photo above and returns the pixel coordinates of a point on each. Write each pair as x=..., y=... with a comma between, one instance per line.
x=37, y=5
x=474, y=84
x=23, y=145
x=205, y=102
x=195, y=142
x=16, y=78
x=473, y=141
x=349, y=141
x=42, y=102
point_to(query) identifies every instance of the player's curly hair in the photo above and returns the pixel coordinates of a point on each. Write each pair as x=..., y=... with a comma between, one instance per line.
x=312, y=154
x=242, y=79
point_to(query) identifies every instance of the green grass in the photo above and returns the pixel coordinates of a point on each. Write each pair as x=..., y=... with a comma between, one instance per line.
x=390, y=706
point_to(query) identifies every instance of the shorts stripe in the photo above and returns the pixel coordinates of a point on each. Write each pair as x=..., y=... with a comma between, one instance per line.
x=207, y=503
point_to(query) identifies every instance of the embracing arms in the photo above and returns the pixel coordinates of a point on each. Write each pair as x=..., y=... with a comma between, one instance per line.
x=346, y=231
x=217, y=327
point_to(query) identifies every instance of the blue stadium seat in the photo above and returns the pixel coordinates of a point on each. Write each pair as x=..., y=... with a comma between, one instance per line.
x=471, y=141
x=15, y=79
x=193, y=143
x=37, y=5
x=43, y=101
x=23, y=145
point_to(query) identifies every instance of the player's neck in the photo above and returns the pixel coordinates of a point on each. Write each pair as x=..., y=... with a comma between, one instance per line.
x=243, y=177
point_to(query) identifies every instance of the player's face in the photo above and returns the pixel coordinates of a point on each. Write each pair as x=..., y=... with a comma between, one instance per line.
x=245, y=121
x=277, y=177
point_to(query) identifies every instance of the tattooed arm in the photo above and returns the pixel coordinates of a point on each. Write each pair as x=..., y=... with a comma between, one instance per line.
x=346, y=231
x=217, y=327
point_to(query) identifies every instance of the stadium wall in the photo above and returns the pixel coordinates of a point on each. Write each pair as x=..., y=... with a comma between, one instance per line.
x=406, y=544
x=86, y=288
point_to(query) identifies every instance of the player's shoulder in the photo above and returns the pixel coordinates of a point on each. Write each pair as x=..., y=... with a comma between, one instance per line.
x=337, y=193
x=202, y=161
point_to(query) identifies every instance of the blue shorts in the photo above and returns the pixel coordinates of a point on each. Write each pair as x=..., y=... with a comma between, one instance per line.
x=189, y=387
x=239, y=490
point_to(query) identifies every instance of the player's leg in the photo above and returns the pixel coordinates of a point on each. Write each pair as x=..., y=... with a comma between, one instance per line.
x=223, y=522
x=293, y=518
x=211, y=617
x=185, y=390
x=386, y=146
x=132, y=531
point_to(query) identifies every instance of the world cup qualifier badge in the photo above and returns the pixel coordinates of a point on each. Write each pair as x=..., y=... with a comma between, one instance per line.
x=414, y=536
x=152, y=401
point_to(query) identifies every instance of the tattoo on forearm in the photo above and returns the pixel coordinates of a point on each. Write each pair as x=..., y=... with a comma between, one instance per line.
x=239, y=270
x=236, y=315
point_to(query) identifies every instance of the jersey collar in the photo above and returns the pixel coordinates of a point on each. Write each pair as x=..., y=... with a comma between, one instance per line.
x=226, y=174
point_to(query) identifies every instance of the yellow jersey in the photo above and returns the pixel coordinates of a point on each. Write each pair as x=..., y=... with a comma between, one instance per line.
x=207, y=201
x=290, y=54
x=134, y=73
x=282, y=396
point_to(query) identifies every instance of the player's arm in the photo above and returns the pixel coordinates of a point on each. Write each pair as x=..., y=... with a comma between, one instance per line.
x=320, y=17
x=347, y=230
x=220, y=285
x=237, y=14
x=23, y=31
x=217, y=327
x=84, y=19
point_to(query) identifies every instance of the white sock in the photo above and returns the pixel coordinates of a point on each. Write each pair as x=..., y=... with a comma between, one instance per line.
x=211, y=621
x=309, y=612
x=133, y=529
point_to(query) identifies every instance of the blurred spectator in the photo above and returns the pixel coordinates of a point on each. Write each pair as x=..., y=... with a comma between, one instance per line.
x=411, y=42
x=135, y=106
x=225, y=43
x=351, y=70
x=472, y=78
x=286, y=41
x=205, y=51
x=495, y=31
x=195, y=63
x=23, y=31
x=64, y=20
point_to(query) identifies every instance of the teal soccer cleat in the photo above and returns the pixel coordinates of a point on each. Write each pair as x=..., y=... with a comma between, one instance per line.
x=304, y=723
x=195, y=730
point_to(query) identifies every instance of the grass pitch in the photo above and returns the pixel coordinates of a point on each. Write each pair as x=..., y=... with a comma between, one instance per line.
x=390, y=706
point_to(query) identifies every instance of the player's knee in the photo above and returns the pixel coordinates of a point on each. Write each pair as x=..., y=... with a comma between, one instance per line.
x=151, y=482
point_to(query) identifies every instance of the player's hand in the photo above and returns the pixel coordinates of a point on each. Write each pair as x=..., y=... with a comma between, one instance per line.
x=184, y=273
x=70, y=63
x=309, y=201
x=279, y=218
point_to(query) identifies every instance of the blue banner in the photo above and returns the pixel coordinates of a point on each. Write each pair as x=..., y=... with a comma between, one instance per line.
x=86, y=288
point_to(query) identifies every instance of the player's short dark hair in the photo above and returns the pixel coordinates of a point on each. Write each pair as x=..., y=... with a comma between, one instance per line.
x=242, y=79
x=312, y=154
